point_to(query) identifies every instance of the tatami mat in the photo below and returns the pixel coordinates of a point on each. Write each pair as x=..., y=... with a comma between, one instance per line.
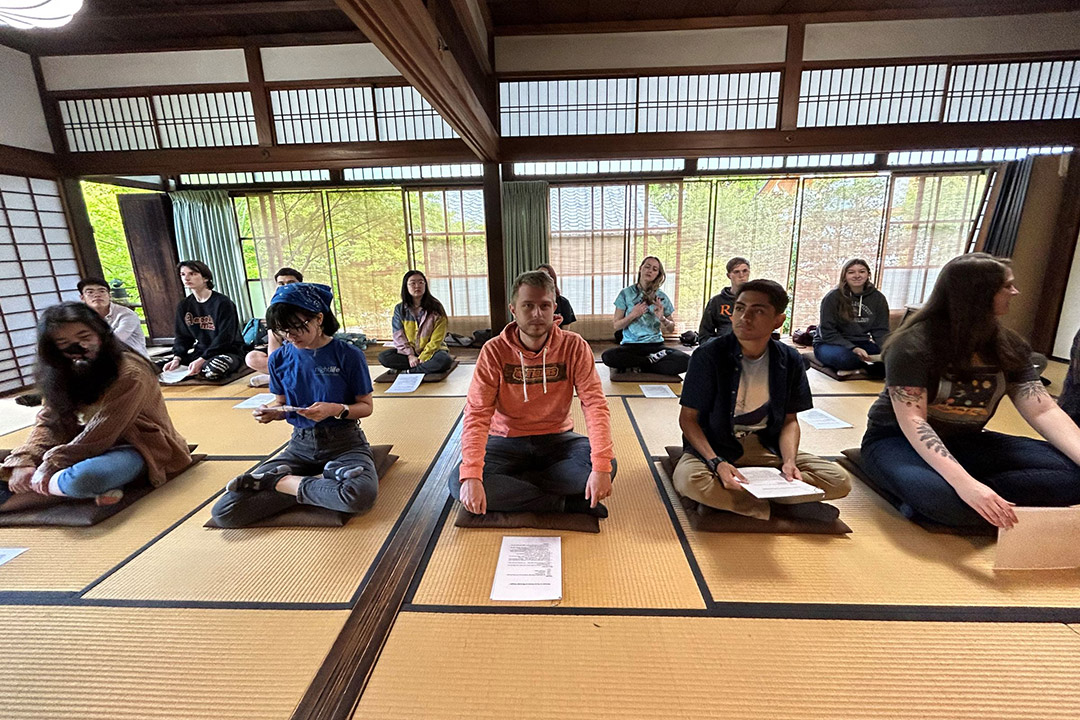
x=536, y=666
x=14, y=439
x=239, y=388
x=220, y=429
x=1055, y=372
x=635, y=562
x=308, y=565
x=14, y=416
x=68, y=559
x=455, y=384
x=887, y=560
x=142, y=664
x=822, y=384
x=624, y=388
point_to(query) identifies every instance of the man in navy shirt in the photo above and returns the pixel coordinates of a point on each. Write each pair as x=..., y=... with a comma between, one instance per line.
x=740, y=401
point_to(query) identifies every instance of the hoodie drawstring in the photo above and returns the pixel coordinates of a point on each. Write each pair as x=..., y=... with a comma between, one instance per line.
x=544, y=361
x=525, y=380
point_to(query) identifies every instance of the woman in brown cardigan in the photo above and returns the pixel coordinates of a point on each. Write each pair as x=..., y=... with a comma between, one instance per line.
x=103, y=423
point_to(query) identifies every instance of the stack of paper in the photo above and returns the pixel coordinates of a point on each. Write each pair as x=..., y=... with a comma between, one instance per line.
x=174, y=376
x=529, y=568
x=770, y=483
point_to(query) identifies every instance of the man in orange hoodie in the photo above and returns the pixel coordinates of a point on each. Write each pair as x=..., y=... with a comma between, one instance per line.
x=518, y=449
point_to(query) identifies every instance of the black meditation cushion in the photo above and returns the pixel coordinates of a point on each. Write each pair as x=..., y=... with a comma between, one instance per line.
x=643, y=377
x=389, y=377
x=314, y=516
x=577, y=522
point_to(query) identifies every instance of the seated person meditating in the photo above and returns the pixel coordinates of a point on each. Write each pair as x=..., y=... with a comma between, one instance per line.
x=125, y=324
x=1069, y=400
x=103, y=422
x=518, y=448
x=419, y=327
x=642, y=313
x=207, y=327
x=562, y=306
x=328, y=461
x=256, y=359
x=946, y=370
x=854, y=322
x=739, y=404
x=716, y=320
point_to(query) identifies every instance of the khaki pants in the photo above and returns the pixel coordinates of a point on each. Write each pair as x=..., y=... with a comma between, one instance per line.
x=693, y=480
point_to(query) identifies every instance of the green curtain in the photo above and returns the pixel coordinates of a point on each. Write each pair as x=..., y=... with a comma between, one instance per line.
x=526, y=221
x=206, y=230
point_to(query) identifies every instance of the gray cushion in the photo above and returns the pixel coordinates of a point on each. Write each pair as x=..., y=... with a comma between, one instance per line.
x=577, y=522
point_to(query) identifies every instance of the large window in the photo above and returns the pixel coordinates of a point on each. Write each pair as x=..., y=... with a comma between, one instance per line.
x=361, y=242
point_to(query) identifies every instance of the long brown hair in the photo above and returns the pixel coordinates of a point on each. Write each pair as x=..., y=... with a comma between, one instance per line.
x=846, y=313
x=554, y=278
x=649, y=293
x=959, y=317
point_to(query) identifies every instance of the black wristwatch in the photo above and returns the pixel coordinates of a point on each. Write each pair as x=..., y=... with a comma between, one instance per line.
x=713, y=463
x=344, y=414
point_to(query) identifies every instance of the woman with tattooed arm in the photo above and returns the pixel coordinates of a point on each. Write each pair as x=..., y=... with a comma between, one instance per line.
x=946, y=370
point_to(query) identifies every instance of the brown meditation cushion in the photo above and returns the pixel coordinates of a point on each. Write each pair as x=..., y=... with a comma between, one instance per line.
x=389, y=377
x=576, y=522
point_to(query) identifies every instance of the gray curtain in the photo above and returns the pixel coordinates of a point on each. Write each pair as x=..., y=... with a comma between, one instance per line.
x=526, y=221
x=206, y=230
x=1001, y=236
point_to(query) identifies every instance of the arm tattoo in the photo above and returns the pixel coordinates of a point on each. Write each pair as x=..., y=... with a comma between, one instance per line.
x=907, y=395
x=1032, y=390
x=931, y=440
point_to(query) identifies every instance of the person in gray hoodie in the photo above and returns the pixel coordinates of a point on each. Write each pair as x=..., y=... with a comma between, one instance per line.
x=854, y=322
x=716, y=320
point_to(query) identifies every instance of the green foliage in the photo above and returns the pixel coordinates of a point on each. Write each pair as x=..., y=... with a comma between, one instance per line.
x=109, y=234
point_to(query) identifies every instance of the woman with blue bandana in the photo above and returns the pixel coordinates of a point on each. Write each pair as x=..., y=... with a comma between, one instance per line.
x=328, y=461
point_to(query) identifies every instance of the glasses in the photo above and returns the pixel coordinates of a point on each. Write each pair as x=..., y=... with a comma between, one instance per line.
x=294, y=331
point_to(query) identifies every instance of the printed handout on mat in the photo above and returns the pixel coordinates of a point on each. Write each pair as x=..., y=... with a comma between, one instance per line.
x=406, y=383
x=822, y=420
x=174, y=376
x=255, y=401
x=14, y=416
x=769, y=483
x=529, y=568
x=657, y=391
x=8, y=554
x=1044, y=538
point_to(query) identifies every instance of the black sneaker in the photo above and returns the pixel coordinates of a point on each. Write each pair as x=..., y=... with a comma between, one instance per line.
x=255, y=482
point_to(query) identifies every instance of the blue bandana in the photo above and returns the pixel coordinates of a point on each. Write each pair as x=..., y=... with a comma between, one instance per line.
x=312, y=297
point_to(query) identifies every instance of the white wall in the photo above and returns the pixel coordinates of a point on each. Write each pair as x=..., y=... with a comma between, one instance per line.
x=611, y=51
x=22, y=121
x=1070, y=310
x=951, y=36
x=324, y=62
x=186, y=67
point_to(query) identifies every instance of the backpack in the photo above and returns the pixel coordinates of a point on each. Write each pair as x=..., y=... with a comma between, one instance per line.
x=254, y=333
x=805, y=338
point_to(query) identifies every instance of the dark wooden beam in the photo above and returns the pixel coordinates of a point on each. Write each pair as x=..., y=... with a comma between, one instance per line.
x=89, y=45
x=1018, y=7
x=496, y=255
x=31, y=163
x=476, y=23
x=53, y=121
x=407, y=35
x=260, y=100
x=1062, y=248
x=290, y=157
x=159, y=10
x=877, y=138
x=82, y=232
x=789, y=91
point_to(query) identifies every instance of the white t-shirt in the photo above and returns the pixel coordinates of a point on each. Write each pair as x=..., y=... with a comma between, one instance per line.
x=752, y=400
x=127, y=328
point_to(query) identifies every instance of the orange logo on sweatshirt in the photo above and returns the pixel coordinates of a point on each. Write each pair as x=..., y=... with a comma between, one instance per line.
x=534, y=374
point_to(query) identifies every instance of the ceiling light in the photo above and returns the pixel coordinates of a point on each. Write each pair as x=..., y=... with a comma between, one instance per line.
x=26, y=14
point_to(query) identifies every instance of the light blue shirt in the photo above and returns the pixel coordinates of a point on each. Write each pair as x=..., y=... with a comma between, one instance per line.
x=646, y=329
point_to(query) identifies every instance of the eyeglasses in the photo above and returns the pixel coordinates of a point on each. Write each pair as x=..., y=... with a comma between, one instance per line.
x=293, y=331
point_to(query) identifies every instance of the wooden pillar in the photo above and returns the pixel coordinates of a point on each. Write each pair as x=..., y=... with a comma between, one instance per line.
x=82, y=232
x=496, y=257
x=789, y=89
x=1062, y=247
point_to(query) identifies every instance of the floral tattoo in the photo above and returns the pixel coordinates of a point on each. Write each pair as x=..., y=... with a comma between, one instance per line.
x=907, y=395
x=931, y=439
x=1032, y=390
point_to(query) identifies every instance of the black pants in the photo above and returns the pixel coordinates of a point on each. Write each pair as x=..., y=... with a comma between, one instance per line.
x=636, y=355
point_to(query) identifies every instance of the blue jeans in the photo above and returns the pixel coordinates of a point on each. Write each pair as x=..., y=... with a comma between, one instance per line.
x=839, y=357
x=1022, y=470
x=324, y=453
x=534, y=473
x=437, y=363
x=94, y=476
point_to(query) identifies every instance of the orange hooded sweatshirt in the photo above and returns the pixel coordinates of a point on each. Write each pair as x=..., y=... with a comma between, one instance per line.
x=499, y=403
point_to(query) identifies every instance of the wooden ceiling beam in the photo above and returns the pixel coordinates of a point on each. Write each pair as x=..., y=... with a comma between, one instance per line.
x=42, y=45
x=877, y=138
x=159, y=10
x=442, y=69
x=256, y=159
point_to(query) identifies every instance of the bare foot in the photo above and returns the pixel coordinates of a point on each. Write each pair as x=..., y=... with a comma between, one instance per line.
x=109, y=497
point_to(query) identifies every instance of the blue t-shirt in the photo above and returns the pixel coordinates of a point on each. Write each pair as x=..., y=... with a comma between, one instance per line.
x=646, y=329
x=336, y=372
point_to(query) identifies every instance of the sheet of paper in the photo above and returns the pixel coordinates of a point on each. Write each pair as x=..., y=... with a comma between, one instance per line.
x=406, y=383
x=255, y=401
x=822, y=420
x=389, y=344
x=14, y=416
x=529, y=568
x=7, y=554
x=1044, y=538
x=769, y=483
x=657, y=391
x=175, y=376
